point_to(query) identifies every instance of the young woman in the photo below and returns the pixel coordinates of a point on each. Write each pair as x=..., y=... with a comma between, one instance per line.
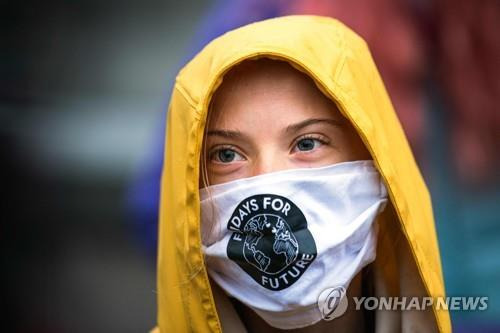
x=287, y=180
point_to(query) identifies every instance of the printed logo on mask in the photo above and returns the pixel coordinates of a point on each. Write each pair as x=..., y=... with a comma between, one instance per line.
x=270, y=240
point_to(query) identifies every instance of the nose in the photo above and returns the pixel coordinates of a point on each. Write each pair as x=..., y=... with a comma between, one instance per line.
x=269, y=161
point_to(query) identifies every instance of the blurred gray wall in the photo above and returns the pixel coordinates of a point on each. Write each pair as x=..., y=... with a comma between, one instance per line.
x=84, y=85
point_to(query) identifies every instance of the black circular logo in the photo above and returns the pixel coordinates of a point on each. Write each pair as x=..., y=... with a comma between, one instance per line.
x=270, y=240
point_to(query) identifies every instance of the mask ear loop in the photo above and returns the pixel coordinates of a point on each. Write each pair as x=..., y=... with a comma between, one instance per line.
x=205, y=182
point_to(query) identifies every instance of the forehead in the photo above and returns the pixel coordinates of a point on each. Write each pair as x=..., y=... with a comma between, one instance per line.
x=268, y=90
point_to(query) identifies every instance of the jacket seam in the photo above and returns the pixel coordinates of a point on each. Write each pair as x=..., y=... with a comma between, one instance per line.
x=183, y=91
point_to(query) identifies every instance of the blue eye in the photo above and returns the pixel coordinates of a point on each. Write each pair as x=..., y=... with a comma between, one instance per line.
x=308, y=144
x=305, y=144
x=227, y=155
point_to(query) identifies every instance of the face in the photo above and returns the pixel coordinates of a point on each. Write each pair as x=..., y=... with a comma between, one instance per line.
x=268, y=116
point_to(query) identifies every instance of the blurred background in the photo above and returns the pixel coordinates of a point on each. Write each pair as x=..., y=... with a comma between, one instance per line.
x=84, y=87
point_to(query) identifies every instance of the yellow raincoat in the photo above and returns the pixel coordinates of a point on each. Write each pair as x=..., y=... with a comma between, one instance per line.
x=408, y=261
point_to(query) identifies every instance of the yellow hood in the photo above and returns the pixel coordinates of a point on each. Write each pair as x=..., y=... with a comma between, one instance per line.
x=341, y=65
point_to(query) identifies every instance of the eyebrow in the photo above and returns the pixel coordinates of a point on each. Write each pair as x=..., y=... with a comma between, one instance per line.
x=237, y=135
x=308, y=122
x=227, y=134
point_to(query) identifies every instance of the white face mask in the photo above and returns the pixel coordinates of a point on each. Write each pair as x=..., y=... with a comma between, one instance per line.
x=276, y=241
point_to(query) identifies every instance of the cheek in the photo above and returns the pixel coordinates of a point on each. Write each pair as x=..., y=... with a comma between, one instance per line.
x=218, y=174
x=353, y=147
x=323, y=156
